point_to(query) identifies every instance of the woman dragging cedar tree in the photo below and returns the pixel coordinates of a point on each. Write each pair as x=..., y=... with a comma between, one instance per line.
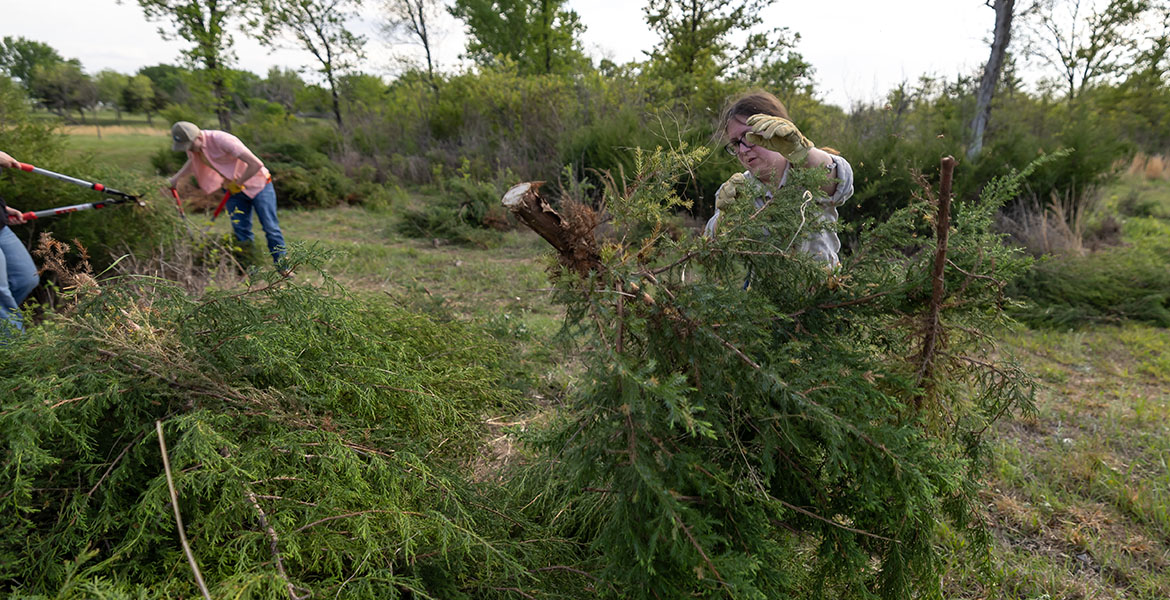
x=766, y=143
x=219, y=160
x=18, y=273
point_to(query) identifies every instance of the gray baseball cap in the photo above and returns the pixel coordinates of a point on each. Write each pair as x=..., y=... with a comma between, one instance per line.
x=183, y=133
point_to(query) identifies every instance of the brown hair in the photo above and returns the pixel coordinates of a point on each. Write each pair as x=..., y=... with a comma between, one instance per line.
x=748, y=104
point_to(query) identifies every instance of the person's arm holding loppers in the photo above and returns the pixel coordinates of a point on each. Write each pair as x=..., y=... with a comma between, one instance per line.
x=184, y=171
x=14, y=217
x=253, y=166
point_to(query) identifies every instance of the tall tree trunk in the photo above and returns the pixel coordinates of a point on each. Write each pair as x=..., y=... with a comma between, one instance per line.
x=547, y=33
x=218, y=89
x=421, y=27
x=333, y=90
x=999, y=44
x=221, y=108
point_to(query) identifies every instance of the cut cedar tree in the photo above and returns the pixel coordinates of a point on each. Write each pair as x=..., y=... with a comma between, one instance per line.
x=571, y=235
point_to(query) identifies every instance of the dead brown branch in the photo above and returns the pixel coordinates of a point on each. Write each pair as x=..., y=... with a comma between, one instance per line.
x=273, y=545
x=933, y=326
x=162, y=445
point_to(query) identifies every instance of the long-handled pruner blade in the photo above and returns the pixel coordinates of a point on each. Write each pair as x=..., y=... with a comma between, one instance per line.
x=178, y=203
x=83, y=183
x=52, y=212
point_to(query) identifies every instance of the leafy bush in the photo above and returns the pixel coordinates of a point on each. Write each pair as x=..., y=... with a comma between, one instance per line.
x=886, y=143
x=467, y=212
x=175, y=112
x=167, y=162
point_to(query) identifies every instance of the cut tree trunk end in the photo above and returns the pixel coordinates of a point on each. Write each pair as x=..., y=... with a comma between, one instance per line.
x=572, y=236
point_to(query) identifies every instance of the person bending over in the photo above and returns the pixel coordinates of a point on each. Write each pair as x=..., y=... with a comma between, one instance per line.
x=220, y=161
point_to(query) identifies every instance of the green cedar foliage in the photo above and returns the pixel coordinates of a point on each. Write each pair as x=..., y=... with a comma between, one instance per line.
x=466, y=212
x=789, y=440
x=1113, y=285
x=343, y=422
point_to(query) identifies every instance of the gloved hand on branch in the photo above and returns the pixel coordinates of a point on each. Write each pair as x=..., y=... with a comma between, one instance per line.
x=729, y=191
x=779, y=135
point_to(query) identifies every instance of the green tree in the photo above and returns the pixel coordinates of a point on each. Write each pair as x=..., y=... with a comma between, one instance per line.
x=203, y=23
x=776, y=66
x=111, y=85
x=363, y=90
x=62, y=88
x=697, y=37
x=414, y=21
x=174, y=82
x=1083, y=48
x=1139, y=106
x=139, y=95
x=20, y=56
x=281, y=86
x=541, y=36
x=322, y=28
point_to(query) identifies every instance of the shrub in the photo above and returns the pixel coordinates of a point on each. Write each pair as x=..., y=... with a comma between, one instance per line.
x=176, y=112
x=803, y=438
x=1111, y=285
x=467, y=212
x=167, y=162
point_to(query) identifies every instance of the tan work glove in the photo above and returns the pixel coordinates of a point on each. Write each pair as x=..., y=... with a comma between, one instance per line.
x=729, y=191
x=779, y=135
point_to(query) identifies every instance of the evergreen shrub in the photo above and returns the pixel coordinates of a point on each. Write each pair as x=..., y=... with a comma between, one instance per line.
x=1115, y=284
x=167, y=162
x=465, y=212
x=808, y=437
x=317, y=443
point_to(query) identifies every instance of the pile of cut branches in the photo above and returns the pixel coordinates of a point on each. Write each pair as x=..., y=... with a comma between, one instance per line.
x=317, y=445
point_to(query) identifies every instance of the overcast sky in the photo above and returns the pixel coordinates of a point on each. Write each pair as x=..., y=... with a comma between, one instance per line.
x=859, y=48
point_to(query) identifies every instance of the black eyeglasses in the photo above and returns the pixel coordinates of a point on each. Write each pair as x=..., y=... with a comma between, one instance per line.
x=732, y=147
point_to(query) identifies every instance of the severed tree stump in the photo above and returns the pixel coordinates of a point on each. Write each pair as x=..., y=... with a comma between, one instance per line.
x=571, y=234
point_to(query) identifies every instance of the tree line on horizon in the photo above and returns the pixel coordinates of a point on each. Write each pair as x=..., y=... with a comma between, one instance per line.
x=531, y=102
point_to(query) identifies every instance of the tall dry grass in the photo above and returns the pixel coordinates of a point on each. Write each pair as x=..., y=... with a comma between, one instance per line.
x=158, y=131
x=1150, y=167
x=1057, y=226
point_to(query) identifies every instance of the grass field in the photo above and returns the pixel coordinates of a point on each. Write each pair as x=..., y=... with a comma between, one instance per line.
x=127, y=143
x=1079, y=497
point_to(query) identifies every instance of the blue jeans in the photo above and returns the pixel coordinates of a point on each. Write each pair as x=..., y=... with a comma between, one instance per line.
x=239, y=208
x=18, y=277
